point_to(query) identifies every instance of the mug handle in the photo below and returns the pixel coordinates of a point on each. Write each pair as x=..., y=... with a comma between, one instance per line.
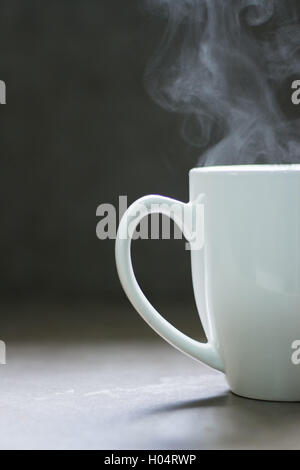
x=144, y=206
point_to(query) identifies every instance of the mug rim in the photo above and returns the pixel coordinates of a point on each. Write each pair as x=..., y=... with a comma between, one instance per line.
x=251, y=168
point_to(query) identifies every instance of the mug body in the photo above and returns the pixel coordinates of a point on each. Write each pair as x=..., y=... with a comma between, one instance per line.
x=247, y=276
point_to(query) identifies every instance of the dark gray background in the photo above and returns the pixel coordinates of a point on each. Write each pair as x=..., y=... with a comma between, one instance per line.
x=78, y=130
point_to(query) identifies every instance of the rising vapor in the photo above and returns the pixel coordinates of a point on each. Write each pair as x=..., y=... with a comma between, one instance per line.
x=222, y=64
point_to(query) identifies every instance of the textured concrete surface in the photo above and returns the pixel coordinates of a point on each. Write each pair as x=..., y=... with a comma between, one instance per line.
x=129, y=395
x=95, y=376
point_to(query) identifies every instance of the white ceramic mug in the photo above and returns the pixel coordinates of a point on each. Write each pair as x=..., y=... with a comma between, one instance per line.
x=246, y=278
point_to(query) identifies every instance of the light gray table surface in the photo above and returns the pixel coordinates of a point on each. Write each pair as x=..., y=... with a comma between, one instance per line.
x=124, y=392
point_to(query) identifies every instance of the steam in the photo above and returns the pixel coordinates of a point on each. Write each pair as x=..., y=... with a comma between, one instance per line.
x=223, y=64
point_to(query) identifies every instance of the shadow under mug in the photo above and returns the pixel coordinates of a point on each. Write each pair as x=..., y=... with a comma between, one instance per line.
x=246, y=274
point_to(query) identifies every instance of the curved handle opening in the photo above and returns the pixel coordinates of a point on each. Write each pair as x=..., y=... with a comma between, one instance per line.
x=204, y=352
